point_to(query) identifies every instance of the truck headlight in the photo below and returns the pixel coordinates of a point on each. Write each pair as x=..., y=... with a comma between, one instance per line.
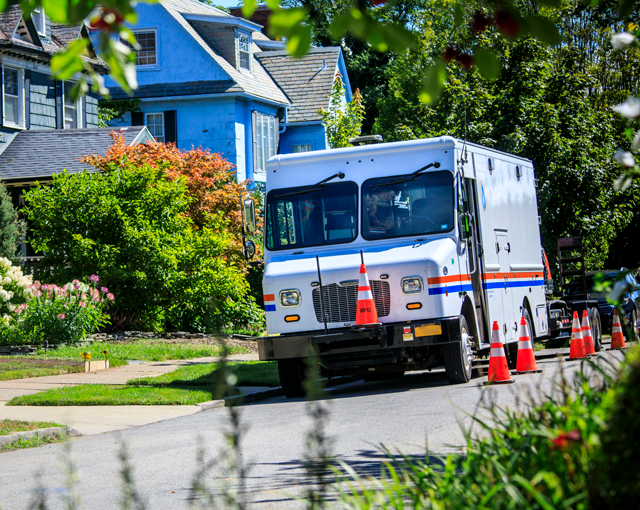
x=290, y=297
x=412, y=285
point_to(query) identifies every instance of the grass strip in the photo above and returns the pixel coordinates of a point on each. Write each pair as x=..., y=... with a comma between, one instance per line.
x=120, y=352
x=249, y=373
x=185, y=386
x=10, y=426
x=18, y=372
x=33, y=442
x=113, y=395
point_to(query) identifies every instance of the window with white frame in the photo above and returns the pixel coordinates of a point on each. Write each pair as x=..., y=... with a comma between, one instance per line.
x=12, y=85
x=147, y=55
x=244, y=51
x=303, y=147
x=39, y=20
x=266, y=145
x=155, y=125
x=72, y=108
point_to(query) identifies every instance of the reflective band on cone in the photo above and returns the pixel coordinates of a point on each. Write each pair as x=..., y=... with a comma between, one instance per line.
x=498, y=367
x=366, y=313
x=526, y=363
x=577, y=350
x=617, y=338
x=589, y=348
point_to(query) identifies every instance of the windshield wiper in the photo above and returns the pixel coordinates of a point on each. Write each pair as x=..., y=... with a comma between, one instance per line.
x=309, y=189
x=409, y=177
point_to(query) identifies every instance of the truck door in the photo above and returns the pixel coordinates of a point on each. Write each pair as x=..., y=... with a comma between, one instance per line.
x=503, y=248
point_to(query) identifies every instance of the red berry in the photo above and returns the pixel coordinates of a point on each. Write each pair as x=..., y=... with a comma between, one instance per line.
x=480, y=22
x=450, y=53
x=465, y=60
x=507, y=23
x=377, y=2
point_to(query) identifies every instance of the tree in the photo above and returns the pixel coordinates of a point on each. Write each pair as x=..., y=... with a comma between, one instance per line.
x=12, y=228
x=550, y=104
x=209, y=179
x=342, y=121
x=131, y=225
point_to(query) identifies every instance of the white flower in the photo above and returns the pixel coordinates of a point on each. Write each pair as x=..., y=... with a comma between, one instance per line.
x=629, y=109
x=624, y=158
x=4, y=295
x=5, y=262
x=6, y=280
x=635, y=145
x=11, y=307
x=621, y=41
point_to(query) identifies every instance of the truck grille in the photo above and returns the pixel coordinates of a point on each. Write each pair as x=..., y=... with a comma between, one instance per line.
x=340, y=301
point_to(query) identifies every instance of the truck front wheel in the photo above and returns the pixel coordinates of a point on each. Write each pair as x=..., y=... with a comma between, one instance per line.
x=458, y=357
x=292, y=375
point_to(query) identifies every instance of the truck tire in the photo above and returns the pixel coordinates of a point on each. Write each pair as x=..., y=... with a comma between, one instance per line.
x=596, y=328
x=458, y=357
x=292, y=375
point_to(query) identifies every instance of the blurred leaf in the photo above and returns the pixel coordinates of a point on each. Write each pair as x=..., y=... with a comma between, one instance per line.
x=487, y=64
x=397, y=36
x=298, y=44
x=287, y=18
x=55, y=9
x=458, y=16
x=433, y=83
x=551, y=3
x=3, y=5
x=64, y=65
x=340, y=25
x=249, y=8
x=543, y=29
x=274, y=5
x=127, y=35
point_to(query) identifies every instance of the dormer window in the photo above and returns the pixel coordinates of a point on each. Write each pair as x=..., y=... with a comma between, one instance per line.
x=39, y=20
x=147, y=55
x=244, y=51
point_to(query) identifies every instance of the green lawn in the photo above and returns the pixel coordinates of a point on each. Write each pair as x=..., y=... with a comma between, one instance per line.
x=21, y=368
x=141, y=350
x=10, y=426
x=187, y=385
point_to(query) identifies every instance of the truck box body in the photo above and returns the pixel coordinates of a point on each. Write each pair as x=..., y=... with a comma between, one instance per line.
x=492, y=275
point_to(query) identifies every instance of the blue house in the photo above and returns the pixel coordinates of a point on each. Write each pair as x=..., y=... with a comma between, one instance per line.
x=209, y=79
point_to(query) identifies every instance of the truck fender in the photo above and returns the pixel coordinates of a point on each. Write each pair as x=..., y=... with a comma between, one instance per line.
x=526, y=305
x=468, y=312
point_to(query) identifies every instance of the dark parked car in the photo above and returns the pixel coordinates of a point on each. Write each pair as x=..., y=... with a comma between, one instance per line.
x=631, y=301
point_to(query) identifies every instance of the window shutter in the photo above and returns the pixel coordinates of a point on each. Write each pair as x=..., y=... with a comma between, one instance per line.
x=59, y=106
x=276, y=133
x=170, y=127
x=254, y=128
x=1, y=96
x=27, y=98
x=137, y=119
x=84, y=112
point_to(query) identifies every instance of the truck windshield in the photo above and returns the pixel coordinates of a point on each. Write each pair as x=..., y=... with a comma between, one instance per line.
x=312, y=215
x=423, y=205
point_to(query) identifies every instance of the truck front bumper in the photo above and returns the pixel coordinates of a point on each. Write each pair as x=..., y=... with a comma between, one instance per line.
x=360, y=340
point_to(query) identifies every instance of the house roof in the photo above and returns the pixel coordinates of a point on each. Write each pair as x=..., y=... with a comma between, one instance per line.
x=188, y=88
x=37, y=154
x=258, y=84
x=12, y=22
x=307, y=80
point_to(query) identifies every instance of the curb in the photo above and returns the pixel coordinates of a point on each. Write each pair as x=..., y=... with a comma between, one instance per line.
x=211, y=404
x=253, y=397
x=29, y=434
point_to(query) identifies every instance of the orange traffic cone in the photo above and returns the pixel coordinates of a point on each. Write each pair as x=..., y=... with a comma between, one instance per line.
x=589, y=348
x=617, y=338
x=526, y=363
x=366, y=313
x=498, y=368
x=577, y=350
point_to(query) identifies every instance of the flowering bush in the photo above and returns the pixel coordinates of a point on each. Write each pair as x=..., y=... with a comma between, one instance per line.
x=13, y=290
x=64, y=314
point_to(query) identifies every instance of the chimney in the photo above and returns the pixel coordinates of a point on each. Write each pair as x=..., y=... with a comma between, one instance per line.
x=259, y=16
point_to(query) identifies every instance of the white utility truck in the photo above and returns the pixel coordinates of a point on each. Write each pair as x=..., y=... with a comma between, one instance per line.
x=449, y=234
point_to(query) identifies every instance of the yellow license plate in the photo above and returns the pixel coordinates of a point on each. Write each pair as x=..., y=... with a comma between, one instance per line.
x=428, y=330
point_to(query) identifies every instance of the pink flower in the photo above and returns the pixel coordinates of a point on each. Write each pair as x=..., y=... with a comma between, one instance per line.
x=104, y=289
x=110, y=296
x=83, y=304
x=61, y=316
x=94, y=278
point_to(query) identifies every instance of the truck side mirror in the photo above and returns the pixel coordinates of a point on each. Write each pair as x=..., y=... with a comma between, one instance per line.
x=249, y=250
x=464, y=226
x=250, y=214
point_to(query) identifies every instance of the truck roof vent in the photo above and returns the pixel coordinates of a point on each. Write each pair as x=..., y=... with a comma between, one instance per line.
x=365, y=140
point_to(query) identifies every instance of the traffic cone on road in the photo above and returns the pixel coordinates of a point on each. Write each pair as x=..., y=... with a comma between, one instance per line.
x=366, y=313
x=577, y=350
x=589, y=348
x=498, y=368
x=526, y=363
x=617, y=338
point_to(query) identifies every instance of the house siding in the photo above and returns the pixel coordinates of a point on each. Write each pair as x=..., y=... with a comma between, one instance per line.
x=92, y=112
x=221, y=38
x=313, y=135
x=42, y=102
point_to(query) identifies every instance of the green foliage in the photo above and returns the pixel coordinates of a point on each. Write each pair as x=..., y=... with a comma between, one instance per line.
x=342, y=121
x=130, y=226
x=12, y=229
x=242, y=316
x=550, y=104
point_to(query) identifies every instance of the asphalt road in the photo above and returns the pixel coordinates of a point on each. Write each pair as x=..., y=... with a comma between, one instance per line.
x=399, y=414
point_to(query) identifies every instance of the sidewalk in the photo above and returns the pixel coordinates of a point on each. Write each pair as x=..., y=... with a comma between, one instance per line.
x=99, y=419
